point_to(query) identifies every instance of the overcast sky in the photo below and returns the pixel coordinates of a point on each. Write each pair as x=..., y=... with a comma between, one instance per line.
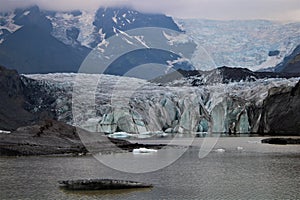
x=284, y=10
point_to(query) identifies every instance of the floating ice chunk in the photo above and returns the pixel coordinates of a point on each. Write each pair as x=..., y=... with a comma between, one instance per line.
x=119, y=135
x=220, y=150
x=240, y=148
x=5, y=132
x=143, y=150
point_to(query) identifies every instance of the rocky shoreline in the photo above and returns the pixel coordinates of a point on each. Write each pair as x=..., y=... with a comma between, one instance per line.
x=51, y=137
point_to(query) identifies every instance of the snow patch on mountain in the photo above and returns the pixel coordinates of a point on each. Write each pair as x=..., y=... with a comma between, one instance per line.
x=26, y=13
x=104, y=43
x=141, y=40
x=7, y=22
x=114, y=18
x=62, y=22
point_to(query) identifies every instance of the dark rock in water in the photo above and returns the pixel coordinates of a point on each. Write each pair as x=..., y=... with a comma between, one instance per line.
x=281, y=111
x=101, y=184
x=281, y=140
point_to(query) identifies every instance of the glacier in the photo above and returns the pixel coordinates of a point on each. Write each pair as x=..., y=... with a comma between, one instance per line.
x=124, y=104
x=239, y=43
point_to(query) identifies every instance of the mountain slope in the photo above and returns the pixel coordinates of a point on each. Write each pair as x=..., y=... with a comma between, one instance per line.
x=23, y=100
x=109, y=20
x=291, y=63
x=33, y=50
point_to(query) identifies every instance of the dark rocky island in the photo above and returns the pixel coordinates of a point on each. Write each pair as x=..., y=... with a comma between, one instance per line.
x=281, y=141
x=101, y=184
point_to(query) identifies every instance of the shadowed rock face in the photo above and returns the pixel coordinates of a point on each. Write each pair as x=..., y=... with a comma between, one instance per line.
x=12, y=112
x=281, y=111
x=291, y=63
x=22, y=100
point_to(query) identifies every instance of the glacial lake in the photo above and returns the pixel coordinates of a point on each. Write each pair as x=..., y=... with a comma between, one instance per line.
x=246, y=170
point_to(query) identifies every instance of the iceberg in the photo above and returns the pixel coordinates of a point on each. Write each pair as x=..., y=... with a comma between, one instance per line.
x=119, y=135
x=143, y=150
x=220, y=150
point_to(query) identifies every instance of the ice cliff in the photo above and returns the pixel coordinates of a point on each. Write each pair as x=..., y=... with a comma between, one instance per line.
x=106, y=103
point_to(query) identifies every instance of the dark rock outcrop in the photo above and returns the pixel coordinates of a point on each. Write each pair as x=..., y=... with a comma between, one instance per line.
x=23, y=101
x=220, y=75
x=291, y=63
x=281, y=112
x=274, y=53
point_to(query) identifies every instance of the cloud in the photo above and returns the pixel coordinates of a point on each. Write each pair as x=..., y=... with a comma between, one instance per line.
x=209, y=9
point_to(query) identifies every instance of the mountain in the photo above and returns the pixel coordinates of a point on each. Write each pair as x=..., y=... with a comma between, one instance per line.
x=40, y=41
x=109, y=21
x=32, y=49
x=291, y=63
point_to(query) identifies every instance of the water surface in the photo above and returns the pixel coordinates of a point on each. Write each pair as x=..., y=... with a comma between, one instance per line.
x=258, y=171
